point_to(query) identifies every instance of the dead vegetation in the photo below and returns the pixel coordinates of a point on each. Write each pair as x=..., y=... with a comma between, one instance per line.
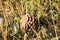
x=29, y=19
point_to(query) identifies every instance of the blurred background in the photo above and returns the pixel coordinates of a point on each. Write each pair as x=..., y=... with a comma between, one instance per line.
x=29, y=19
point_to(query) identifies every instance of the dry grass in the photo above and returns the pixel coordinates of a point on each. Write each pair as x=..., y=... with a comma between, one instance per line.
x=11, y=12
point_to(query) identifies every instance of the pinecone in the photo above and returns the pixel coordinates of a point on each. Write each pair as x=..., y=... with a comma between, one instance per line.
x=28, y=21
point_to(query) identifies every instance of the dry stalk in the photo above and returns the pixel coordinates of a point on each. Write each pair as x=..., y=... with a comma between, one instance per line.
x=38, y=38
x=55, y=27
x=4, y=35
x=13, y=36
x=25, y=36
x=2, y=30
x=53, y=22
x=25, y=32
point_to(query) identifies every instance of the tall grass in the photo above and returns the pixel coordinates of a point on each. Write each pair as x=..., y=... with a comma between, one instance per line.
x=11, y=12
